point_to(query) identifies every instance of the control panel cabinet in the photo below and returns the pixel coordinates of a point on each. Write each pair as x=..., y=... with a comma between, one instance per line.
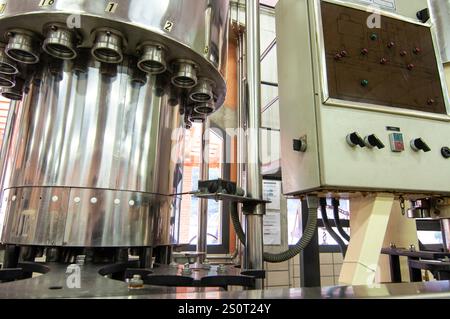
x=363, y=92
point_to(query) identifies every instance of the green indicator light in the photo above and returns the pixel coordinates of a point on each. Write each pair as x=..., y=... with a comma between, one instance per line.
x=374, y=36
x=365, y=83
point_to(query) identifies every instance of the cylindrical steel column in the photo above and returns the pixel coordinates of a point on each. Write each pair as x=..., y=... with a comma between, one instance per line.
x=202, y=240
x=6, y=138
x=254, y=221
x=445, y=226
x=242, y=124
x=242, y=112
x=4, y=152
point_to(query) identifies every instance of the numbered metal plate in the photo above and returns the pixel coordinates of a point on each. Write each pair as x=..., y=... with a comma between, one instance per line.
x=111, y=7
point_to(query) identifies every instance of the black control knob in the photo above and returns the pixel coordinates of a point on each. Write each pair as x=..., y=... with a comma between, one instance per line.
x=445, y=151
x=300, y=145
x=420, y=145
x=372, y=141
x=355, y=139
x=423, y=15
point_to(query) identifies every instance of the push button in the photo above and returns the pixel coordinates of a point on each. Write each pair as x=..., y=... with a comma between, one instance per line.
x=397, y=142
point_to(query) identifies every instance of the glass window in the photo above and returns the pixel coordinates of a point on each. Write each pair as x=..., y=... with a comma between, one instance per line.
x=270, y=3
x=190, y=204
x=430, y=237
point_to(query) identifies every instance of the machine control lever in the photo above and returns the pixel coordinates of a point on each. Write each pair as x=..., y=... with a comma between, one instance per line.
x=354, y=139
x=372, y=141
x=419, y=145
x=300, y=145
x=445, y=151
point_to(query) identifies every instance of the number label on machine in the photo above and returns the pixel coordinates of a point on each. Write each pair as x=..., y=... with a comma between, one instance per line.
x=2, y=8
x=111, y=7
x=46, y=3
x=168, y=26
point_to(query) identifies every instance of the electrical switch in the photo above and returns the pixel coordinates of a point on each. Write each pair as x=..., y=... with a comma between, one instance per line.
x=397, y=142
x=372, y=141
x=445, y=151
x=355, y=139
x=300, y=145
x=419, y=145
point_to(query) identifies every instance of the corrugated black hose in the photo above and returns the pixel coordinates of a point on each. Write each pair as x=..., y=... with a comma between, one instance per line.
x=326, y=223
x=308, y=234
x=337, y=220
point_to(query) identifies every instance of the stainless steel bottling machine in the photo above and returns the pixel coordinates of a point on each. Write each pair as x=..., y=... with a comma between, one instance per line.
x=101, y=94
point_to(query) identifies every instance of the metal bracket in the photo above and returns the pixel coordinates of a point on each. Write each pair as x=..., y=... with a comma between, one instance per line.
x=248, y=204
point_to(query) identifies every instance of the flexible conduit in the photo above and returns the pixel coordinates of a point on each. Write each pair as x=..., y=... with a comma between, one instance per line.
x=326, y=223
x=308, y=234
x=337, y=220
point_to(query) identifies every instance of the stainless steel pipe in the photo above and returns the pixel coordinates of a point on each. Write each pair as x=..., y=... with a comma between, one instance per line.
x=108, y=46
x=60, y=42
x=7, y=65
x=153, y=58
x=23, y=46
x=254, y=222
x=445, y=226
x=185, y=74
x=202, y=233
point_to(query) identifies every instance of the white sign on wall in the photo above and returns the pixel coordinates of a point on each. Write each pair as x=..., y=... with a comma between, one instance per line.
x=272, y=229
x=272, y=193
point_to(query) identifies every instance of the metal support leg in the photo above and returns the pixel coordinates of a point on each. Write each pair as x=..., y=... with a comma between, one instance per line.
x=12, y=254
x=394, y=263
x=254, y=246
x=309, y=257
x=242, y=124
x=254, y=221
x=202, y=233
x=415, y=275
x=163, y=255
x=370, y=217
x=445, y=226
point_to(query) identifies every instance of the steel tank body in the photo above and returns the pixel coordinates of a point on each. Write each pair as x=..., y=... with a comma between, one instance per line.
x=440, y=16
x=94, y=157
